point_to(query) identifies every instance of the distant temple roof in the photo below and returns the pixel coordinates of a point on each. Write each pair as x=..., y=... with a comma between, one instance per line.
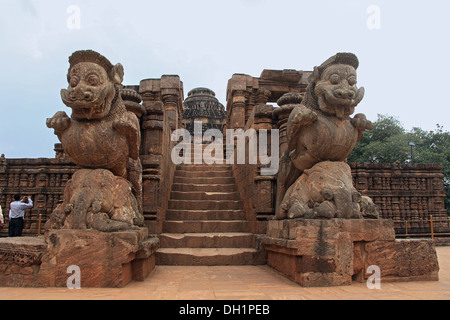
x=202, y=103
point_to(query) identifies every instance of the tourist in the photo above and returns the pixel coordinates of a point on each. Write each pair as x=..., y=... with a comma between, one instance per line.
x=17, y=214
x=2, y=221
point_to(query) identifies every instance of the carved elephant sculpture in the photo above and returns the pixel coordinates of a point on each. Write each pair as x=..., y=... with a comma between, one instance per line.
x=96, y=199
x=324, y=192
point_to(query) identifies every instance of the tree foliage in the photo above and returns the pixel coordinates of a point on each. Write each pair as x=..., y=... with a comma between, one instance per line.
x=388, y=142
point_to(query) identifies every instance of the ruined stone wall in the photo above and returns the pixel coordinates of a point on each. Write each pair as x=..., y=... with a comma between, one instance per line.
x=412, y=192
x=409, y=192
x=43, y=179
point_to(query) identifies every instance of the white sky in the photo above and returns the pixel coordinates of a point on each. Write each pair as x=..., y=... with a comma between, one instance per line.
x=404, y=66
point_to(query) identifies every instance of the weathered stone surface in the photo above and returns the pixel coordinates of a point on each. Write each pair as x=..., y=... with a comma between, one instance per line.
x=20, y=260
x=355, y=230
x=403, y=260
x=110, y=259
x=96, y=199
x=325, y=191
x=334, y=252
x=105, y=259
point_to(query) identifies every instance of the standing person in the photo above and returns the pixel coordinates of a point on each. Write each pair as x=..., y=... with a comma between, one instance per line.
x=2, y=220
x=17, y=213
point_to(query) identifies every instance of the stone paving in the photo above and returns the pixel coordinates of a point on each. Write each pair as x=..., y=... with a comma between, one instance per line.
x=240, y=282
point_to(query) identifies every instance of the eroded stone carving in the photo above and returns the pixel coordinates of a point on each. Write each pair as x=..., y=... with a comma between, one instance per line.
x=324, y=192
x=320, y=129
x=100, y=134
x=96, y=199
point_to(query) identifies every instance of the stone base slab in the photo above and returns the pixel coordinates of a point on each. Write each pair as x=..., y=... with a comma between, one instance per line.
x=317, y=253
x=105, y=260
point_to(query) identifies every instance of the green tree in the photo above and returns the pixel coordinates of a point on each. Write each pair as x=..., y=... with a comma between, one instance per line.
x=388, y=143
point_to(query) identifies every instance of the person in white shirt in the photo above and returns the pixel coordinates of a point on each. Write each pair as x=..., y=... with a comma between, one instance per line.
x=2, y=221
x=17, y=214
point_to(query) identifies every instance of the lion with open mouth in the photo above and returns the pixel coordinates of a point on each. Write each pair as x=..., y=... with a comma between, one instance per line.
x=320, y=127
x=101, y=133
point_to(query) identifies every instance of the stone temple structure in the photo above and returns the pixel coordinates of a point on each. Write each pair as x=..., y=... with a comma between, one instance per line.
x=119, y=212
x=201, y=105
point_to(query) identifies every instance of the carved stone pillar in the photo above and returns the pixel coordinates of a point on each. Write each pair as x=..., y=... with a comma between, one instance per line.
x=262, y=96
x=238, y=109
x=172, y=96
x=152, y=122
x=170, y=106
x=151, y=146
x=258, y=97
x=262, y=117
x=281, y=115
x=162, y=99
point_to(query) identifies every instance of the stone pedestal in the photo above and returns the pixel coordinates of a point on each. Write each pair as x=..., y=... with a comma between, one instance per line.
x=105, y=260
x=20, y=260
x=319, y=253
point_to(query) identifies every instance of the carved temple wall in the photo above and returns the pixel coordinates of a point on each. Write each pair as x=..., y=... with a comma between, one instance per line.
x=43, y=179
x=411, y=192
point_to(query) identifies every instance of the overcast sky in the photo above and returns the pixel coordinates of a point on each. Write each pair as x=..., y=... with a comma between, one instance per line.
x=403, y=48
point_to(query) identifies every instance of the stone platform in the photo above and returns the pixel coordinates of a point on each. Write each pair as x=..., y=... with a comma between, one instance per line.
x=105, y=260
x=318, y=253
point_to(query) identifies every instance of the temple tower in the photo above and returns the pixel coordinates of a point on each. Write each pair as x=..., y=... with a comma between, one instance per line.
x=201, y=105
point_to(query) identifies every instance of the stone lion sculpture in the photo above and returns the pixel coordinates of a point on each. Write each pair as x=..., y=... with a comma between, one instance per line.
x=320, y=127
x=101, y=133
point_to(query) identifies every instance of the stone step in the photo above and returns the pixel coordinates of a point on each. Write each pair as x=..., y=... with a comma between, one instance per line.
x=206, y=173
x=205, y=215
x=197, y=145
x=205, y=204
x=205, y=195
x=204, y=226
x=204, y=180
x=203, y=167
x=207, y=240
x=209, y=256
x=200, y=158
x=185, y=187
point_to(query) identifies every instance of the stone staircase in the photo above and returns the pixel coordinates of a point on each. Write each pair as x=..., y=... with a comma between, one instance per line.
x=205, y=221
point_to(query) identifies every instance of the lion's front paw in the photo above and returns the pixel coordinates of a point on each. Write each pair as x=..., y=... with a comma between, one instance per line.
x=360, y=122
x=60, y=122
x=304, y=116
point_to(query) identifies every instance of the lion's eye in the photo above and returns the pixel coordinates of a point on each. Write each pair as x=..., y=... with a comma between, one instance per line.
x=74, y=82
x=352, y=81
x=93, y=80
x=334, y=79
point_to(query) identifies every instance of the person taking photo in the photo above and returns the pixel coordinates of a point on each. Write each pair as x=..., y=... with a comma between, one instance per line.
x=17, y=214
